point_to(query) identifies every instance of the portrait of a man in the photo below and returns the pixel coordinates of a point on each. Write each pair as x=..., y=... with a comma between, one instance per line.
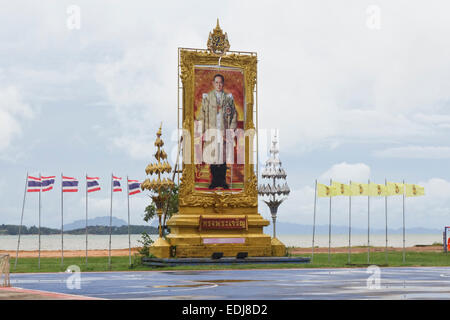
x=217, y=118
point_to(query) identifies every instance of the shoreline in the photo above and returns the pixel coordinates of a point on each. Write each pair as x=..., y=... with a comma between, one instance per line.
x=291, y=250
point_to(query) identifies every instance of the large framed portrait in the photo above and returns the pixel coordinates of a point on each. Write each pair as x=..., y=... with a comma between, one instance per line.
x=219, y=114
x=218, y=129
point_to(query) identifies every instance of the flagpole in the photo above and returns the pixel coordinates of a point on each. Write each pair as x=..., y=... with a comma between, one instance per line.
x=386, y=213
x=39, y=229
x=21, y=220
x=110, y=224
x=129, y=237
x=404, y=190
x=368, y=223
x=350, y=224
x=329, y=226
x=62, y=221
x=86, y=220
x=314, y=220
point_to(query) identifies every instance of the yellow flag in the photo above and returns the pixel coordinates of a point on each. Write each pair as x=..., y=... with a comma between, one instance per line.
x=341, y=189
x=395, y=189
x=414, y=190
x=359, y=189
x=377, y=190
x=325, y=191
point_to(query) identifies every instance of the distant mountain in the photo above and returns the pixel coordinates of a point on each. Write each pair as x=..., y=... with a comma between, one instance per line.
x=134, y=229
x=292, y=228
x=115, y=230
x=98, y=221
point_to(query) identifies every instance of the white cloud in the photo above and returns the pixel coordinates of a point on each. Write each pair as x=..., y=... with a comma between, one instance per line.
x=330, y=79
x=349, y=84
x=142, y=97
x=438, y=120
x=137, y=147
x=415, y=152
x=343, y=172
x=431, y=210
x=12, y=111
x=437, y=188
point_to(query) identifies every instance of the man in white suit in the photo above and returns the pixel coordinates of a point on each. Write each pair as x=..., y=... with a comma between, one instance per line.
x=218, y=117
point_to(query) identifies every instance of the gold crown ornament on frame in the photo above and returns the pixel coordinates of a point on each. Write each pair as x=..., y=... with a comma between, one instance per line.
x=218, y=41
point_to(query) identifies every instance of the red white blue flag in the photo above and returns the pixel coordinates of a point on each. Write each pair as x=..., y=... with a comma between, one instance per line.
x=47, y=183
x=34, y=184
x=133, y=187
x=69, y=184
x=116, y=184
x=92, y=184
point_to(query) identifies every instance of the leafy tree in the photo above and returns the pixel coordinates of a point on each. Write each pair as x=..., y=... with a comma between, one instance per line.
x=146, y=242
x=169, y=209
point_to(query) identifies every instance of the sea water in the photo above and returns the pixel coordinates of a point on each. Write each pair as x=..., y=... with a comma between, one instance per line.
x=101, y=242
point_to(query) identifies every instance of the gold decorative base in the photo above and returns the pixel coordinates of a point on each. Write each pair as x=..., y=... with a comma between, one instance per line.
x=278, y=248
x=192, y=241
x=160, y=248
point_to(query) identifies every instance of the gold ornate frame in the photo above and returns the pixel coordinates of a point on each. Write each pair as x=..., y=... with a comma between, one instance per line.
x=218, y=200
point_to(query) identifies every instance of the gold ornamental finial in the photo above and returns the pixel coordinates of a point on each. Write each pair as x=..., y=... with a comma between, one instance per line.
x=218, y=41
x=158, y=134
x=158, y=186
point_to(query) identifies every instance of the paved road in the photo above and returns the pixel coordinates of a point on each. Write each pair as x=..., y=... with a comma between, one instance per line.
x=384, y=283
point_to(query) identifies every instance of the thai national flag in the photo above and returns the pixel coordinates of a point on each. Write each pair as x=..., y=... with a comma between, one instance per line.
x=133, y=187
x=116, y=184
x=69, y=184
x=47, y=183
x=34, y=184
x=92, y=184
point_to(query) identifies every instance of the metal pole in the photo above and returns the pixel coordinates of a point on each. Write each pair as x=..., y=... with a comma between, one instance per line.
x=385, y=211
x=129, y=238
x=368, y=223
x=257, y=122
x=404, y=190
x=21, y=220
x=314, y=220
x=62, y=221
x=445, y=241
x=39, y=229
x=329, y=227
x=178, y=108
x=86, y=220
x=274, y=233
x=110, y=224
x=274, y=211
x=349, y=225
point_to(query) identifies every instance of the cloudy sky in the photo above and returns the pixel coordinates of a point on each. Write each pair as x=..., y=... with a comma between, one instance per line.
x=358, y=90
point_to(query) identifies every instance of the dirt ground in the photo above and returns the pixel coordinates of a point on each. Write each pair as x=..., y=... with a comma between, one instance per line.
x=124, y=252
